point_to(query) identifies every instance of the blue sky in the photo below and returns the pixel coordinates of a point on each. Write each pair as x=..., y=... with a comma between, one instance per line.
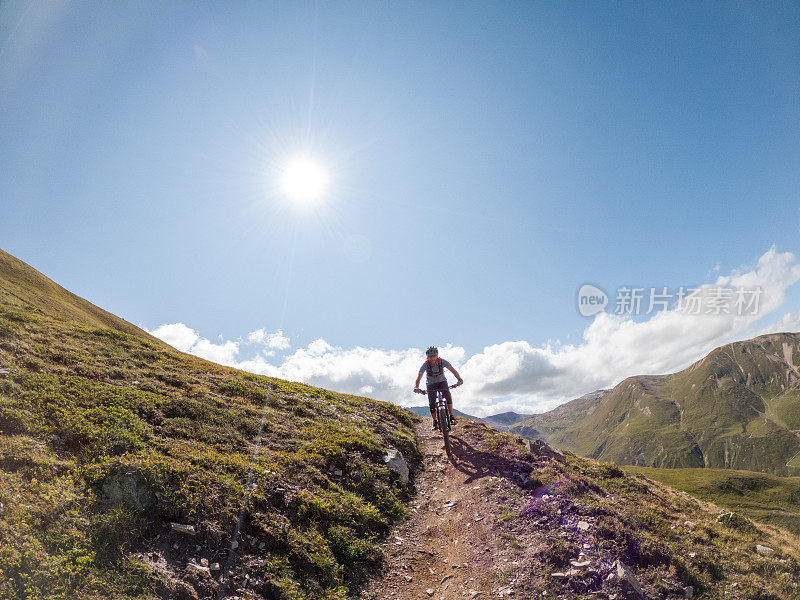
x=486, y=160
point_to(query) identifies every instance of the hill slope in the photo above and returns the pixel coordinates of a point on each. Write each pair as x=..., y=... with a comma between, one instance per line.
x=761, y=496
x=738, y=408
x=107, y=437
x=129, y=470
x=24, y=287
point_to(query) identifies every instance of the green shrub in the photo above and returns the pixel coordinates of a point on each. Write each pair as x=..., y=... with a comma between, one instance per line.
x=241, y=389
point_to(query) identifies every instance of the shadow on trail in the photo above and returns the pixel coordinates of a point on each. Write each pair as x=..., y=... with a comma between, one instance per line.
x=476, y=464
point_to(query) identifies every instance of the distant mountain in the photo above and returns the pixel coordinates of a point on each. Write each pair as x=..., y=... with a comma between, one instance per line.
x=424, y=411
x=738, y=408
x=504, y=421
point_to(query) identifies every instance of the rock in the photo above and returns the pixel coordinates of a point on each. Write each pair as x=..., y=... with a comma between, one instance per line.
x=215, y=567
x=625, y=575
x=688, y=592
x=764, y=550
x=559, y=575
x=181, y=528
x=198, y=569
x=584, y=526
x=408, y=578
x=396, y=462
x=130, y=488
x=338, y=472
x=580, y=564
x=505, y=591
x=429, y=591
x=541, y=448
x=204, y=562
x=474, y=593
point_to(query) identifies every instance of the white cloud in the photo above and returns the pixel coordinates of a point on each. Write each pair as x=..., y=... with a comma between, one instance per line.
x=224, y=354
x=177, y=335
x=186, y=339
x=276, y=340
x=515, y=375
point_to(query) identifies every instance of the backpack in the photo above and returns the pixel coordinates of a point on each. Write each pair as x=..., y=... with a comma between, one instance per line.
x=429, y=368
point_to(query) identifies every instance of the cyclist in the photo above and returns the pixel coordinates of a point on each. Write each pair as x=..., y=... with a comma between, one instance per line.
x=437, y=382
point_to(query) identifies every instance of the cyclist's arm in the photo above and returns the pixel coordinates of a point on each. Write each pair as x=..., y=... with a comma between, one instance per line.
x=419, y=378
x=455, y=373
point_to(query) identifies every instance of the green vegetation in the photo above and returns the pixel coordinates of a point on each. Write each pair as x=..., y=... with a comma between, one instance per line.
x=762, y=497
x=107, y=436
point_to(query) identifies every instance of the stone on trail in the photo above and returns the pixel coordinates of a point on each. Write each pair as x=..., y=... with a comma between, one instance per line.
x=396, y=462
x=193, y=567
x=580, y=564
x=625, y=575
x=181, y=528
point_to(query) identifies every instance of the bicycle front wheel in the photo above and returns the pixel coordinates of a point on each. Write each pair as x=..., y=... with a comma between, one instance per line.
x=444, y=425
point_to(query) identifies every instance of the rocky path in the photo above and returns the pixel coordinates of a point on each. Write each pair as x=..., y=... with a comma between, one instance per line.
x=452, y=547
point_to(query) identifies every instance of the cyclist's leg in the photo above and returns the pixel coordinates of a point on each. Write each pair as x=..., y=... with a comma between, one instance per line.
x=432, y=401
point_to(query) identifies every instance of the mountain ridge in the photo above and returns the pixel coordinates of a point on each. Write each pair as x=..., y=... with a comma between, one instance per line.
x=30, y=287
x=734, y=408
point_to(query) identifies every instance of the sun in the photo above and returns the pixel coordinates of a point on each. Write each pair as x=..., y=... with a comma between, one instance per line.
x=304, y=180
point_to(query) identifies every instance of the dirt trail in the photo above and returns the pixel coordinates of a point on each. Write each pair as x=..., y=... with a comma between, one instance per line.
x=451, y=547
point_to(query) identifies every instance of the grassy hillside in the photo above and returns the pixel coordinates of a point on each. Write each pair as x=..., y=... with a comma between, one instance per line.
x=108, y=436
x=763, y=497
x=559, y=528
x=736, y=408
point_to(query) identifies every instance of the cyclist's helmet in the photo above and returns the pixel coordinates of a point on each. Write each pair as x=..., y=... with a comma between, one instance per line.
x=432, y=351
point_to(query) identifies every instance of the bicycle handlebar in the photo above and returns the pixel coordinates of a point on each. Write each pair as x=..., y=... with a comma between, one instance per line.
x=419, y=391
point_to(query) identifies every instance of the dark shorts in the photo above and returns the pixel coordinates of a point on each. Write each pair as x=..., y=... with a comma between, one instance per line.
x=438, y=387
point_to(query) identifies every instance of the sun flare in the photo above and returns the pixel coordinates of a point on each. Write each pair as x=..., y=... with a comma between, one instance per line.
x=304, y=180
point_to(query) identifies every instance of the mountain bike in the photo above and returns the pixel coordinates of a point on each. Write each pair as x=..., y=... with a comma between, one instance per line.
x=443, y=418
